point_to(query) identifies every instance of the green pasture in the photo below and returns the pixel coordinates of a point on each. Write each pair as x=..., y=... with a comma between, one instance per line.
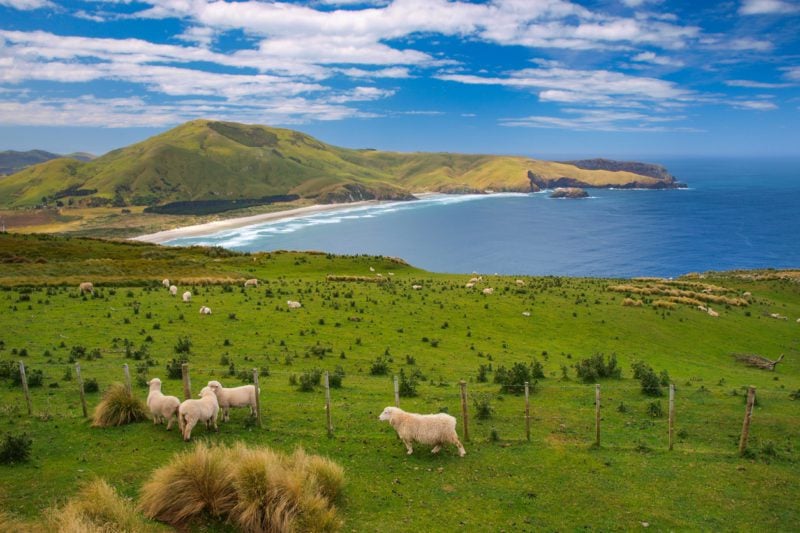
x=442, y=332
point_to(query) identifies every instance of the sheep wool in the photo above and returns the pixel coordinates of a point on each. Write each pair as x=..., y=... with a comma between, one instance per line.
x=163, y=408
x=244, y=396
x=193, y=411
x=432, y=430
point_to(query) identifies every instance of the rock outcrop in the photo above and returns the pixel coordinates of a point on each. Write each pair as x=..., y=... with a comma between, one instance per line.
x=569, y=192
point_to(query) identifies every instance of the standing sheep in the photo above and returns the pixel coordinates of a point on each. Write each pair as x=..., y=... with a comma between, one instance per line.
x=251, y=283
x=205, y=310
x=165, y=283
x=434, y=430
x=293, y=305
x=191, y=412
x=488, y=290
x=187, y=297
x=164, y=408
x=173, y=290
x=234, y=397
x=86, y=287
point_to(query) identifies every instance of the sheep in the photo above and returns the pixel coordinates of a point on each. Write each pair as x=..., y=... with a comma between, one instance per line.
x=187, y=296
x=234, y=397
x=433, y=430
x=293, y=305
x=165, y=283
x=173, y=290
x=205, y=310
x=193, y=411
x=747, y=295
x=251, y=283
x=778, y=316
x=163, y=408
x=469, y=285
x=713, y=313
x=474, y=280
x=371, y=269
x=520, y=283
x=86, y=286
x=416, y=287
x=488, y=290
x=526, y=313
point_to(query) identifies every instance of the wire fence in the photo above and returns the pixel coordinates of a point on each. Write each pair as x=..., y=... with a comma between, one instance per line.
x=614, y=414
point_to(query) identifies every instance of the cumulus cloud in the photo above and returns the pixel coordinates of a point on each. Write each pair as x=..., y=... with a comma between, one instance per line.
x=27, y=5
x=651, y=57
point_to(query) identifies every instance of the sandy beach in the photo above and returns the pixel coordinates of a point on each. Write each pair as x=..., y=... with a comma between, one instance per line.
x=232, y=223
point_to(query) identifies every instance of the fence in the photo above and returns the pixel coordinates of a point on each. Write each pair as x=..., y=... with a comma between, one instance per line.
x=560, y=412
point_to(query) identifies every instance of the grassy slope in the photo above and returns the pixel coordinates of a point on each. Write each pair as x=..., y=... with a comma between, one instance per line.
x=203, y=160
x=557, y=481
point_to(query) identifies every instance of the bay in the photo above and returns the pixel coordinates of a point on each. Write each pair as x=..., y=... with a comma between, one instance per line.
x=735, y=214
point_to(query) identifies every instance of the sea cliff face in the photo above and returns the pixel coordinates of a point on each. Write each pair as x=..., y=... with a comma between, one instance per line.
x=569, y=192
x=660, y=178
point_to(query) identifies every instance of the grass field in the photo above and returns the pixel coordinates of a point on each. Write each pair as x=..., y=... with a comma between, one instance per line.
x=443, y=333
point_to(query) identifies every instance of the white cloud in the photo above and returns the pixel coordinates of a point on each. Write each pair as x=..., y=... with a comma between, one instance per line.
x=757, y=105
x=792, y=73
x=390, y=72
x=361, y=94
x=767, y=7
x=651, y=57
x=27, y=5
x=756, y=84
x=598, y=120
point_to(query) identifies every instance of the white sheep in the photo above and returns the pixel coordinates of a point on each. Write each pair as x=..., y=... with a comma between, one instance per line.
x=86, y=287
x=234, y=397
x=173, y=290
x=526, y=313
x=488, y=290
x=474, y=280
x=187, y=296
x=416, y=287
x=713, y=313
x=520, y=283
x=193, y=411
x=165, y=283
x=433, y=430
x=251, y=283
x=469, y=285
x=205, y=310
x=371, y=269
x=164, y=408
x=293, y=304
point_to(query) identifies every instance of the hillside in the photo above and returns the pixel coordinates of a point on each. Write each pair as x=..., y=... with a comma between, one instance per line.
x=206, y=166
x=12, y=161
x=366, y=331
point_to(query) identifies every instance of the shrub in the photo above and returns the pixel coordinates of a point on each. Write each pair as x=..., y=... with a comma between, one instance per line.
x=407, y=384
x=335, y=378
x=483, y=406
x=309, y=380
x=91, y=385
x=183, y=346
x=655, y=410
x=513, y=380
x=651, y=384
x=483, y=370
x=117, y=408
x=34, y=376
x=380, y=366
x=595, y=367
x=15, y=449
x=174, y=367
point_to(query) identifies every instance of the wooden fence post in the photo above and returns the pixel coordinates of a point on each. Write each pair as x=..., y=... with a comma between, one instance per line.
x=187, y=383
x=671, y=414
x=127, y=372
x=396, y=392
x=748, y=414
x=464, y=414
x=527, y=413
x=328, y=404
x=258, y=397
x=80, y=388
x=24, y=380
x=597, y=415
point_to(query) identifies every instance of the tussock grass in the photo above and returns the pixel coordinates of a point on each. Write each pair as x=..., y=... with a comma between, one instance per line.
x=704, y=295
x=630, y=302
x=665, y=304
x=118, y=408
x=256, y=489
x=368, y=279
x=9, y=524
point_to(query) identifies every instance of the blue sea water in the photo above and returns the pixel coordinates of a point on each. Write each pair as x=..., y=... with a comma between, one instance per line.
x=736, y=213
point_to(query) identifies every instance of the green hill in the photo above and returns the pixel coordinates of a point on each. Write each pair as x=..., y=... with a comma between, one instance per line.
x=207, y=166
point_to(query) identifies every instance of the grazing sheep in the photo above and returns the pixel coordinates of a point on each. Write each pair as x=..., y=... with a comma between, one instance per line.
x=187, y=296
x=488, y=290
x=165, y=283
x=251, y=283
x=371, y=269
x=164, y=408
x=86, y=287
x=191, y=412
x=526, y=313
x=293, y=305
x=205, y=310
x=433, y=430
x=798, y=320
x=713, y=313
x=520, y=283
x=747, y=295
x=469, y=285
x=391, y=273
x=173, y=290
x=234, y=397
x=474, y=280
x=703, y=308
x=778, y=316
x=416, y=287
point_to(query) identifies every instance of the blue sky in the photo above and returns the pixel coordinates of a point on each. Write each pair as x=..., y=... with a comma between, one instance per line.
x=546, y=78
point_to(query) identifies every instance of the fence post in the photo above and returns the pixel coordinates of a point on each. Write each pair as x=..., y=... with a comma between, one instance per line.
x=80, y=388
x=748, y=414
x=258, y=397
x=24, y=380
x=127, y=379
x=597, y=415
x=328, y=404
x=464, y=414
x=671, y=414
x=187, y=383
x=396, y=392
x=527, y=414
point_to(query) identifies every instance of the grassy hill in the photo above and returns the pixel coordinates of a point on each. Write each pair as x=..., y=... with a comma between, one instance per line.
x=12, y=161
x=436, y=336
x=223, y=164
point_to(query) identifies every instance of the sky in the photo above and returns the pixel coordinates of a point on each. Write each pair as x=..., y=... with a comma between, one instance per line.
x=541, y=78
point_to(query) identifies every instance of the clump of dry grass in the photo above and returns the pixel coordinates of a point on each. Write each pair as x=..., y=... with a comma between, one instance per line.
x=630, y=302
x=10, y=524
x=368, y=279
x=118, y=408
x=256, y=489
x=664, y=304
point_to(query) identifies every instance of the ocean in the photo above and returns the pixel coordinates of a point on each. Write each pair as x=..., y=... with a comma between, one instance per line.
x=735, y=214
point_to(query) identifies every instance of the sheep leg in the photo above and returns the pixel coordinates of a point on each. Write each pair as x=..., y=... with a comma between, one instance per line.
x=436, y=448
x=169, y=422
x=409, y=449
x=226, y=414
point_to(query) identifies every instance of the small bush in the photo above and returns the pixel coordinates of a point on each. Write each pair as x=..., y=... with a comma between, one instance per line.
x=117, y=408
x=380, y=366
x=91, y=385
x=183, y=346
x=174, y=367
x=654, y=409
x=407, y=384
x=650, y=382
x=335, y=378
x=483, y=406
x=483, y=370
x=591, y=369
x=309, y=380
x=15, y=449
x=513, y=380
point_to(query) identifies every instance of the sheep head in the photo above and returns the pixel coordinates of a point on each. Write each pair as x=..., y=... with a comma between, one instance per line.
x=388, y=413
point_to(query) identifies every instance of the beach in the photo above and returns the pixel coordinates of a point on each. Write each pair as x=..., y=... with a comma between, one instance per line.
x=240, y=222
